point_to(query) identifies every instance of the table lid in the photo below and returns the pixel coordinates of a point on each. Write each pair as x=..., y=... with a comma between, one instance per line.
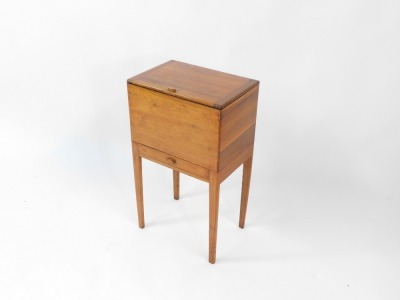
x=197, y=84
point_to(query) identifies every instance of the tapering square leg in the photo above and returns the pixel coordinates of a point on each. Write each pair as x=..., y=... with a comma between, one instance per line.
x=137, y=167
x=176, y=184
x=245, y=190
x=213, y=214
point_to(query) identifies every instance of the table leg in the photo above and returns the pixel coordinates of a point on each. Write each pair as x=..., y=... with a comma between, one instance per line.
x=213, y=215
x=176, y=184
x=245, y=190
x=137, y=167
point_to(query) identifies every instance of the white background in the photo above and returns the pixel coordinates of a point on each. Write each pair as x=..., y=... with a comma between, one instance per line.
x=323, y=217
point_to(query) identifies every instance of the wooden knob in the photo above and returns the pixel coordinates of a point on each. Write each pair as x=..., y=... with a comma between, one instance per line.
x=171, y=160
x=172, y=90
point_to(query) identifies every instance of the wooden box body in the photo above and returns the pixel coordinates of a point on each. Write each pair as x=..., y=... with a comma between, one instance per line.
x=193, y=119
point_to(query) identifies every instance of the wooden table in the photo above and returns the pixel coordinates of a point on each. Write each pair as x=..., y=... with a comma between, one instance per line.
x=196, y=121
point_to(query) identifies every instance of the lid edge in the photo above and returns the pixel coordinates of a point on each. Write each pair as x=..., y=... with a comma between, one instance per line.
x=196, y=100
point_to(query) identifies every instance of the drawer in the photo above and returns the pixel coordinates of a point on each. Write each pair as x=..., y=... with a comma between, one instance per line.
x=173, y=162
x=172, y=125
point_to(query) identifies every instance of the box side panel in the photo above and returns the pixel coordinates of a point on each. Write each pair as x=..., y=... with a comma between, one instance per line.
x=238, y=121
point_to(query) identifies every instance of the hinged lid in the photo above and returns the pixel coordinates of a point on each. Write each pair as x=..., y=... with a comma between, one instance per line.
x=197, y=84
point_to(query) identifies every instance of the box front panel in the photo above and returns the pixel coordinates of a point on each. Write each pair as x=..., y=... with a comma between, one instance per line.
x=178, y=127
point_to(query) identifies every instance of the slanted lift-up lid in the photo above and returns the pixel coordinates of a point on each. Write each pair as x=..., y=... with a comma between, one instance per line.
x=197, y=84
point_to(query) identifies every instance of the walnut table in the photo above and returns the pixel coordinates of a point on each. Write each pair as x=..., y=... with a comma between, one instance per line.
x=196, y=121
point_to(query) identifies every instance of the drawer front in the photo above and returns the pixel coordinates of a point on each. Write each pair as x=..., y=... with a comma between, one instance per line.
x=172, y=125
x=173, y=162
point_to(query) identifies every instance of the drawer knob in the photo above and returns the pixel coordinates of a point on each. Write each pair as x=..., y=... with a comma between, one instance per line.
x=172, y=90
x=171, y=160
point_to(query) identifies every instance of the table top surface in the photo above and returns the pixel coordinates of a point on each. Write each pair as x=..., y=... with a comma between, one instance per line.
x=197, y=84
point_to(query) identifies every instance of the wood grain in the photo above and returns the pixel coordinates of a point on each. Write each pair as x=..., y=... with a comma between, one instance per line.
x=137, y=167
x=245, y=190
x=181, y=128
x=238, y=117
x=176, y=184
x=173, y=162
x=233, y=152
x=236, y=162
x=237, y=132
x=214, y=187
x=197, y=84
